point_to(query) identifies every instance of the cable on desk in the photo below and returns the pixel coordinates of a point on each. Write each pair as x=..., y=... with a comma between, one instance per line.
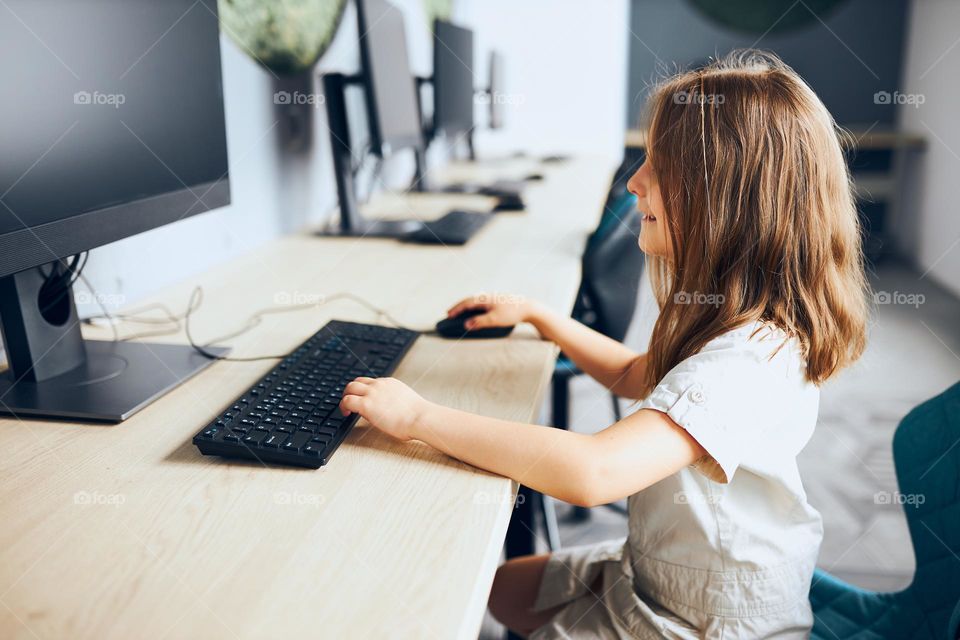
x=256, y=318
x=106, y=313
x=195, y=302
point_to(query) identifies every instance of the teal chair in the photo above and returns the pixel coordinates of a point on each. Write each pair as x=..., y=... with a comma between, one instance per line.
x=610, y=269
x=927, y=457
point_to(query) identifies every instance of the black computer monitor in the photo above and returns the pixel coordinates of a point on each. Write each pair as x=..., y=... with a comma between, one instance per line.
x=495, y=90
x=393, y=112
x=453, y=92
x=111, y=124
x=391, y=89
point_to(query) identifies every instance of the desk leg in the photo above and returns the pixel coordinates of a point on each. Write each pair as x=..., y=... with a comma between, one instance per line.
x=521, y=539
x=521, y=536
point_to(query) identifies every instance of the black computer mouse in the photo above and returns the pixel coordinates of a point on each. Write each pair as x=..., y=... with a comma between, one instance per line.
x=534, y=177
x=510, y=203
x=454, y=327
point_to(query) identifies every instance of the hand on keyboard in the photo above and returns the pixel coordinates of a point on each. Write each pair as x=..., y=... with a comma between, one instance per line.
x=292, y=415
x=386, y=403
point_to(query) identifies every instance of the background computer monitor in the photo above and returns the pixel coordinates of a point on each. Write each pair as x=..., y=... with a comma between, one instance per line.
x=453, y=91
x=496, y=90
x=393, y=115
x=391, y=91
x=111, y=123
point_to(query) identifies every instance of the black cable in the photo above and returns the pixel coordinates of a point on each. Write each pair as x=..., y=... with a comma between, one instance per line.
x=364, y=154
x=374, y=178
x=66, y=280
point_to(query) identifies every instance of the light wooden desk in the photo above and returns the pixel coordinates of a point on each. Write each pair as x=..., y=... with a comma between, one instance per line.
x=127, y=531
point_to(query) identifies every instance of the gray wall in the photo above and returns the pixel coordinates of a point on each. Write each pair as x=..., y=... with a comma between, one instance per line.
x=855, y=52
x=928, y=228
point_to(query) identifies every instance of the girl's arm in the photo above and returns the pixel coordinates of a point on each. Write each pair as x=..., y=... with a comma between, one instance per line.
x=581, y=469
x=609, y=362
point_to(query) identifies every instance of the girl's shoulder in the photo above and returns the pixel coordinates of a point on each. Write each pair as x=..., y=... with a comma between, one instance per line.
x=759, y=336
x=761, y=346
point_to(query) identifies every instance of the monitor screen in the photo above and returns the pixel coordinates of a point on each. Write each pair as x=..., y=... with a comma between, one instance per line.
x=452, y=78
x=496, y=90
x=391, y=89
x=107, y=103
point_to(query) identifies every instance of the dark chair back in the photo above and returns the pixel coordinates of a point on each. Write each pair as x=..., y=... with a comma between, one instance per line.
x=612, y=264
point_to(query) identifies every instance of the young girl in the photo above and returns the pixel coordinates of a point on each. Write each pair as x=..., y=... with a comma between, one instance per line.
x=754, y=249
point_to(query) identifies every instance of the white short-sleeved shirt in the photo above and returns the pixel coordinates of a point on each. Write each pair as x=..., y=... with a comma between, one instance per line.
x=725, y=548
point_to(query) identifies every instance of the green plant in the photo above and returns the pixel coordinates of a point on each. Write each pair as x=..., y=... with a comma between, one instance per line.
x=765, y=16
x=285, y=36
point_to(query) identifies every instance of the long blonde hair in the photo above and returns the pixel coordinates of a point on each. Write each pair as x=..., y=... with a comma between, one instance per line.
x=760, y=215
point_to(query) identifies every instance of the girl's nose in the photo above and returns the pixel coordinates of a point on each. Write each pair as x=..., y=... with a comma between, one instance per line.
x=635, y=184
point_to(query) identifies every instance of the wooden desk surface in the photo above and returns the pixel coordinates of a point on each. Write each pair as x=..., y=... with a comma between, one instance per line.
x=126, y=531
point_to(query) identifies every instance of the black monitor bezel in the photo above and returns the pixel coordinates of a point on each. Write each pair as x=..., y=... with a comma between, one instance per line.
x=30, y=247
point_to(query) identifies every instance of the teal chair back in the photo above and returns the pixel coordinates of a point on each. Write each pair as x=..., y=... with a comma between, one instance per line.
x=926, y=451
x=611, y=267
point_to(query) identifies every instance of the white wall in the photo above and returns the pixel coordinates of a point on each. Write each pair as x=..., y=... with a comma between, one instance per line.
x=566, y=71
x=930, y=220
x=567, y=59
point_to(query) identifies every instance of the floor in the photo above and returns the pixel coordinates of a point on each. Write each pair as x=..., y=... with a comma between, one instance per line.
x=913, y=354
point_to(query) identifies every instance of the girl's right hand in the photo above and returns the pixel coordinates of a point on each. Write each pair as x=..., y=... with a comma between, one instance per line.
x=500, y=310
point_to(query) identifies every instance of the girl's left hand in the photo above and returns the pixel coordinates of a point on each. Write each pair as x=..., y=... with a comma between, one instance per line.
x=386, y=403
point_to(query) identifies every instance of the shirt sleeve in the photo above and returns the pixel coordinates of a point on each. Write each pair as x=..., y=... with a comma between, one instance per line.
x=727, y=396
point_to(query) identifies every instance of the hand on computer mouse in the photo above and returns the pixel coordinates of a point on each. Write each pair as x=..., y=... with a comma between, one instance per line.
x=497, y=310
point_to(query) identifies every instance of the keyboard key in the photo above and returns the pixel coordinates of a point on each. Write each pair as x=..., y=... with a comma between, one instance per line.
x=273, y=440
x=255, y=437
x=296, y=441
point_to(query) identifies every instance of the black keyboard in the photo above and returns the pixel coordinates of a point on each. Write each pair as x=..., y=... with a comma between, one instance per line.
x=292, y=415
x=456, y=228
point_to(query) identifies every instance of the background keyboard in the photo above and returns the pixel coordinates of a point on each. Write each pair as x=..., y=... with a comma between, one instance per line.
x=292, y=416
x=454, y=228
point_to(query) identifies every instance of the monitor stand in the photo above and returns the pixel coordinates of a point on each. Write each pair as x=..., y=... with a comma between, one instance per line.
x=54, y=373
x=366, y=228
x=351, y=223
